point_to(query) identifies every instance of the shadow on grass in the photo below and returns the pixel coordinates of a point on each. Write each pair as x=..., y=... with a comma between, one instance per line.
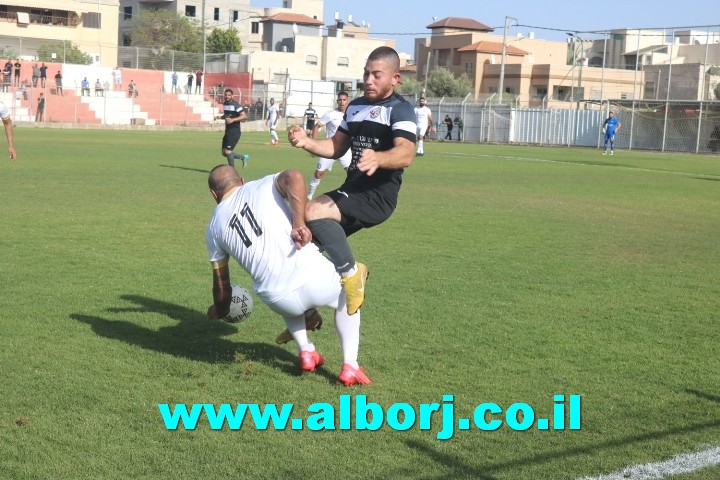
x=193, y=337
x=708, y=179
x=458, y=468
x=186, y=168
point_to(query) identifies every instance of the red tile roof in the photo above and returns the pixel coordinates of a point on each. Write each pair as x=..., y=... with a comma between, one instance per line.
x=492, y=47
x=461, y=24
x=293, y=18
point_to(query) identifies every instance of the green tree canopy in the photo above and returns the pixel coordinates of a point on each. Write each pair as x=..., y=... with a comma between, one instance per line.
x=442, y=83
x=65, y=52
x=167, y=29
x=221, y=40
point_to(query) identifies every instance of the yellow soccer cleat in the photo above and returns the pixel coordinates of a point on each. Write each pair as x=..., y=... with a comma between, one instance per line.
x=354, y=287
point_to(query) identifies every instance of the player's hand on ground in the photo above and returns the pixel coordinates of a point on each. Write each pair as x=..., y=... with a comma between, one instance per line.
x=297, y=136
x=301, y=236
x=368, y=162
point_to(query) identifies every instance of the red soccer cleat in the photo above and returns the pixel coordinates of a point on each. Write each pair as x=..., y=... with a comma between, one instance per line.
x=309, y=361
x=351, y=376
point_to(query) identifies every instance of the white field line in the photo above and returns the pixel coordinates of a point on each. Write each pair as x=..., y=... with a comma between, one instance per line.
x=683, y=463
x=580, y=164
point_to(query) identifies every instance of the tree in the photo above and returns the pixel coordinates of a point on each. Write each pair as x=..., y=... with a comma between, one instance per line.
x=167, y=29
x=442, y=83
x=410, y=86
x=65, y=52
x=223, y=41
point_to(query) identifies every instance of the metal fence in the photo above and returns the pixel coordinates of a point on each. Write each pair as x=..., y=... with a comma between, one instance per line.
x=676, y=126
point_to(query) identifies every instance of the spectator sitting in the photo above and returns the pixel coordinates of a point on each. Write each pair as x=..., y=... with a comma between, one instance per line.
x=132, y=89
x=85, y=87
x=99, y=90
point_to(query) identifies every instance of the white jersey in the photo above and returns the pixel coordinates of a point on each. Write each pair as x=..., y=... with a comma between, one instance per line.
x=273, y=113
x=332, y=121
x=252, y=224
x=422, y=114
x=4, y=111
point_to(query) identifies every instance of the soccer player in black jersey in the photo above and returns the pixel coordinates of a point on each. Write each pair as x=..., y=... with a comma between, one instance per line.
x=233, y=114
x=379, y=128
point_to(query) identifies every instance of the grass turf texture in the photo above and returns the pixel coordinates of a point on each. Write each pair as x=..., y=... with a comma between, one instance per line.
x=507, y=274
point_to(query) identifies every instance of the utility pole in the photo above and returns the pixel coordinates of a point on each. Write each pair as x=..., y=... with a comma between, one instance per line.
x=502, y=61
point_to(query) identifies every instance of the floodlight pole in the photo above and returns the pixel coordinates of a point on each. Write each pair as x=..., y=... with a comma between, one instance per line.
x=502, y=61
x=204, y=35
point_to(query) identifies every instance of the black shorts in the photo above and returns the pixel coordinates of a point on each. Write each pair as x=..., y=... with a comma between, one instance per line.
x=362, y=209
x=310, y=125
x=230, y=139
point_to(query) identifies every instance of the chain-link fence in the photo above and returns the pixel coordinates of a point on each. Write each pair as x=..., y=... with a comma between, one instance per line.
x=692, y=127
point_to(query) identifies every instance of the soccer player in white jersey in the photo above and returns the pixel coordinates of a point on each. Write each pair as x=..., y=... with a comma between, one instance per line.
x=273, y=117
x=424, y=123
x=8, y=124
x=261, y=224
x=332, y=121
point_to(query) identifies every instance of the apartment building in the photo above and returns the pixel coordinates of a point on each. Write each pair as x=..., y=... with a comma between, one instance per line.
x=26, y=25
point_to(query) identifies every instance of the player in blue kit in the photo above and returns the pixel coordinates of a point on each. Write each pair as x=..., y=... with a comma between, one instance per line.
x=610, y=126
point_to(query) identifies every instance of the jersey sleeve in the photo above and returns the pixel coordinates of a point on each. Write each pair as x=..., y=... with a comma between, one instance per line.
x=402, y=121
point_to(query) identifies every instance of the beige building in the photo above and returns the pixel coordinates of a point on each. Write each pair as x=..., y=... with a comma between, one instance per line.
x=552, y=73
x=26, y=25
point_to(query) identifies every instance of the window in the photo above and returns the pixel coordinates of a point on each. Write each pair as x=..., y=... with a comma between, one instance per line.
x=469, y=67
x=311, y=60
x=235, y=15
x=190, y=10
x=91, y=20
x=216, y=14
x=127, y=13
x=126, y=40
x=254, y=27
x=343, y=62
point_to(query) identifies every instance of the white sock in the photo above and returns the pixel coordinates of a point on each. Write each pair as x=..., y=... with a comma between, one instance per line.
x=350, y=272
x=348, y=328
x=420, y=147
x=313, y=186
x=296, y=327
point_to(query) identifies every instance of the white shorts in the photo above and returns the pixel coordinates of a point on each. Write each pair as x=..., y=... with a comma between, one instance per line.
x=325, y=164
x=421, y=129
x=322, y=288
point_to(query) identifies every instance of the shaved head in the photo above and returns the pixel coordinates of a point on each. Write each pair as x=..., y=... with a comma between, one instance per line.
x=388, y=55
x=223, y=178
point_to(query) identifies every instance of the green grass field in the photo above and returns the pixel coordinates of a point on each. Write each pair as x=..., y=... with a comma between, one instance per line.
x=507, y=274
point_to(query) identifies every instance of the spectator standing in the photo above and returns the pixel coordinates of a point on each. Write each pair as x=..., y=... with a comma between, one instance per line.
x=174, y=78
x=17, y=66
x=58, y=83
x=190, y=82
x=40, y=112
x=117, y=78
x=459, y=124
x=7, y=75
x=43, y=75
x=198, y=81
x=35, y=75
x=449, y=125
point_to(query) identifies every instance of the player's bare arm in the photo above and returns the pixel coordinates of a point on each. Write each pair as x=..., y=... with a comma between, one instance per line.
x=222, y=291
x=333, y=147
x=7, y=122
x=291, y=185
x=400, y=156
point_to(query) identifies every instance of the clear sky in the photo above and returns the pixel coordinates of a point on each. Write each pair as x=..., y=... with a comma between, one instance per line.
x=405, y=20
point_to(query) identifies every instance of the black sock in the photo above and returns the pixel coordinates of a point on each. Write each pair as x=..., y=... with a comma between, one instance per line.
x=332, y=237
x=231, y=159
